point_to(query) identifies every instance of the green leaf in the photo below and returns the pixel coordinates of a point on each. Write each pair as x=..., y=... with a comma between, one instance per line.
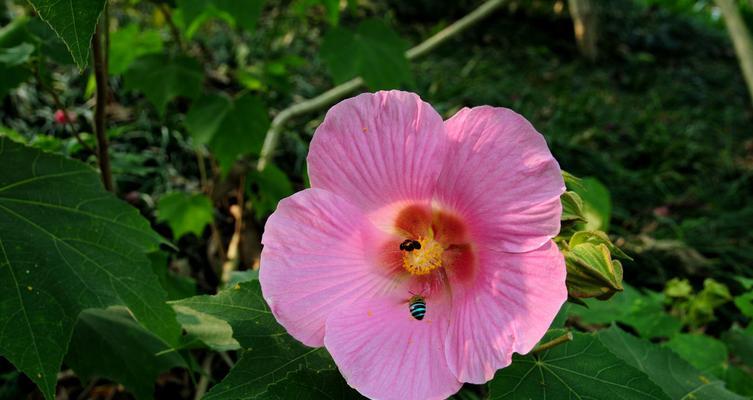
x=739, y=381
x=243, y=307
x=740, y=343
x=572, y=207
x=746, y=282
x=129, y=43
x=185, y=213
x=597, y=204
x=237, y=277
x=245, y=13
x=703, y=352
x=571, y=181
x=204, y=118
x=66, y=245
x=270, y=353
x=241, y=13
x=47, y=43
x=597, y=237
x=162, y=78
x=675, y=376
x=17, y=55
x=744, y=302
x=700, y=308
x=14, y=32
x=213, y=332
x=74, y=22
x=177, y=286
x=270, y=361
x=581, y=369
x=644, y=312
x=241, y=131
x=11, y=77
x=374, y=52
x=12, y=70
x=678, y=288
x=267, y=188
x=332, y=8
x=110, y=344
x=312, y=385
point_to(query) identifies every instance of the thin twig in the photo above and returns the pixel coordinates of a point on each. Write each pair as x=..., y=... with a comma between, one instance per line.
x=553, y=343
x=226, y=358
x=206, y=375
x=100, y=75
x=202, y=171
x=106, y=22
x=458, y=26
x=232, y=260
x=338, y=92
x=207, y=188
x=163, y=7
x=85, y=391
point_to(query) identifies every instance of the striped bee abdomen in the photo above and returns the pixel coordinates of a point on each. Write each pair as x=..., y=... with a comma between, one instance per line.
x=417, y=307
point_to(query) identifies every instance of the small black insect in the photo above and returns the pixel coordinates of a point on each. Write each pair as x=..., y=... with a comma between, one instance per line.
x=410, y=245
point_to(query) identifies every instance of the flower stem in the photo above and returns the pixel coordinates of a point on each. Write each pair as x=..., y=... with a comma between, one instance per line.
x=340, y=91
x=553, y=343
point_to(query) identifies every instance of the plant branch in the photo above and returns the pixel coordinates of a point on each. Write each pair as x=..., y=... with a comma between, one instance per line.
x=340, y=91
x=206, y=374
x=741, y=39
x=458, y=26
x=106, y=29
x=100, y=76
x=553, y=343
x=226, y=358
x=232, y=259
x=171, y=23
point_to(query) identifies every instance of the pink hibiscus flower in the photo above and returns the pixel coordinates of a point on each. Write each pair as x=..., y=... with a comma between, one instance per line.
x=405, y=210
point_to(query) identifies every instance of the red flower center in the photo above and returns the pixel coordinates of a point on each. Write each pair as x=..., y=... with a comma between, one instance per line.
x=431, y=246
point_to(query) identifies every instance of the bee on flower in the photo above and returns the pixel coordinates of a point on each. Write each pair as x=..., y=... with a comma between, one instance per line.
x=461, y=211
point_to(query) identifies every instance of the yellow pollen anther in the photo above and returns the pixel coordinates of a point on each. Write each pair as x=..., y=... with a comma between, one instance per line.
x=425, y=259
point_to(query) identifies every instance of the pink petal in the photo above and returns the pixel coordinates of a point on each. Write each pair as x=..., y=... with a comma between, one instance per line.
x=319, y=254
x=510, y=308
x=375, y=149
x=384, y=353
x=500, y=176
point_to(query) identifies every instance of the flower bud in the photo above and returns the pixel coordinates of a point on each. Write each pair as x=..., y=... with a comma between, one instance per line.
x=591, y=272
x=61, y=117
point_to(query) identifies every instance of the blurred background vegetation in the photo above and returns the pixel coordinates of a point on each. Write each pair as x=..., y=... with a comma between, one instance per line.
x=649, y=106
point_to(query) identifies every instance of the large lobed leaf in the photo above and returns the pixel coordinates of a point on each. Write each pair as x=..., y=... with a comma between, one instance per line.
x=270, y=355
x=581, y=369
x=110, y=344
x=707, y=354
x=674, y=375
x=307, y=384
x=74, y=22
x=66, y=245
